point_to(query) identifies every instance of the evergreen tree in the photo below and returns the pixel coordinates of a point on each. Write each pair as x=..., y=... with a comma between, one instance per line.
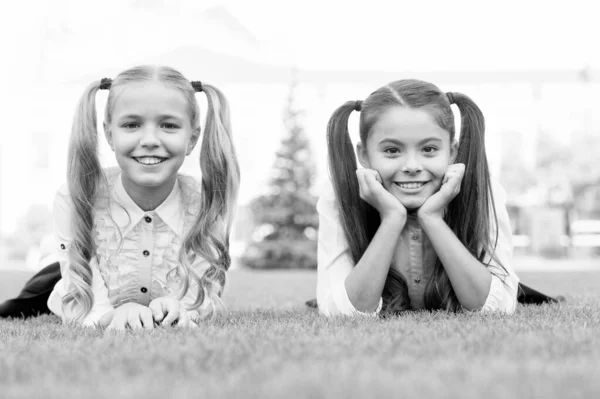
x=285, y=217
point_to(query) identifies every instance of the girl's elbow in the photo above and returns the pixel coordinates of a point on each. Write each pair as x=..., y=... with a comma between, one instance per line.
x=504, y=304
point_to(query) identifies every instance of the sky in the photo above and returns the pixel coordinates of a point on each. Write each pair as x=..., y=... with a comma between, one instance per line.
x=336, y=35
x=456, y=34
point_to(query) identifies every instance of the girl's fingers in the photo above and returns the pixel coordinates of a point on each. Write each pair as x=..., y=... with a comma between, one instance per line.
x=362, y=185
x=184, y=318
x=118, y=323
x=371, y=179
x=157, y=311
x=454, y=174
x=378, y=178
x=373, y=175
x=172, y=316
x=107, y=319
x=458, y=171
x=134, y=321
x=147, y=320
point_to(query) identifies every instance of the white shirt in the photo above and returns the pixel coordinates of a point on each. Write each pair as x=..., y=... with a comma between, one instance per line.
x=414, y=259
x=136, y=250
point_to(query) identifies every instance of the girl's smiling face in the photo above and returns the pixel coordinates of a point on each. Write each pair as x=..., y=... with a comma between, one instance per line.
x=411, y=153
x=151, y=133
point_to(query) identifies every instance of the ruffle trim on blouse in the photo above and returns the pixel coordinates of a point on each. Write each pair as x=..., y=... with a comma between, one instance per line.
x=117, y=255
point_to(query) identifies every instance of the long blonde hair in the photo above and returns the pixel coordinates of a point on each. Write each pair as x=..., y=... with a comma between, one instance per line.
x=207, y=239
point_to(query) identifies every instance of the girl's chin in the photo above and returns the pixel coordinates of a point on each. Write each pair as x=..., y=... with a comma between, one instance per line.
x=412, y=204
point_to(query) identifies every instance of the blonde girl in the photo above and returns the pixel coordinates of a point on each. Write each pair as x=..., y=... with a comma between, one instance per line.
x=142, y=244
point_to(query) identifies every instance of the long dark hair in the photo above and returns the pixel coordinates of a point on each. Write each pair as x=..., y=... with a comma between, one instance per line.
x=471, y=214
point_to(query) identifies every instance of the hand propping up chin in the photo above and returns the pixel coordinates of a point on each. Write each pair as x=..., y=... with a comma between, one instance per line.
x=372, y=191
x=435, y=205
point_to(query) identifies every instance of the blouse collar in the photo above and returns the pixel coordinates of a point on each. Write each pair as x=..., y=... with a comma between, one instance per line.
x=127, y=214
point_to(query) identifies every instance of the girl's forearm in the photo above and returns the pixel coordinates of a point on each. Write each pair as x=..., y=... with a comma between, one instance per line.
x=469, y=278
x=365, y=282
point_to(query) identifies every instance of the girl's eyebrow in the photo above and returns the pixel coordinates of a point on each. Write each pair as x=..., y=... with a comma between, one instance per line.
x=389, y=140
x=126, y=116
x=169, y=116
x=398, y=142
x=425, y=140
x=162, y=116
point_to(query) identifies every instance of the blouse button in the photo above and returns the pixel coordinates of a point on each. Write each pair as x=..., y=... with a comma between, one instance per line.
x=418, y=279
x=148, y=219
x=415, y=236
x=144, y=289
x=146, y=252
x=62, y=246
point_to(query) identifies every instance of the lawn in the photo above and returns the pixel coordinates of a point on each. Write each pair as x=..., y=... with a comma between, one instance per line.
x=271, y=346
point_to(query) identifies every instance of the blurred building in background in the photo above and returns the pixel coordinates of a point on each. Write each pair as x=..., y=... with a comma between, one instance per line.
x=542, y=125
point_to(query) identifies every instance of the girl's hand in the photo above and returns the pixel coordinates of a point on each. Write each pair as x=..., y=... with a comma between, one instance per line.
x=168, y=311
x=373, y=192
x=435, y=205
x=130, y=315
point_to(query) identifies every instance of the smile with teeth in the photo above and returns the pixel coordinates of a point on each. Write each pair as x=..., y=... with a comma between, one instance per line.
x=411, y=185
x=149, y=160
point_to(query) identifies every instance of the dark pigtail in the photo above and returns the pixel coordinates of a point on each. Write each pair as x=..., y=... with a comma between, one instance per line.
x=468, y=214
x=359, y=219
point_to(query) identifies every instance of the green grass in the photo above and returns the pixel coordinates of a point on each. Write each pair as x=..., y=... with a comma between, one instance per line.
x=271, y=346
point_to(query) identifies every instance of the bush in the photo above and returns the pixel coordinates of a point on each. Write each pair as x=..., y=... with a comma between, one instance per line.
x=285, y=236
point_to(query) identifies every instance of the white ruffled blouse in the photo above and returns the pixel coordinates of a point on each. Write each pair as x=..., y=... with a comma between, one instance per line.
x=136, y=251
x=414, y=259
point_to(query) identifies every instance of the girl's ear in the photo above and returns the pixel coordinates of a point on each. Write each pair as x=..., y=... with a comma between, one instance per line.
x=362, y=155
x=108, y=135
x=193, y=140
x=453, y=150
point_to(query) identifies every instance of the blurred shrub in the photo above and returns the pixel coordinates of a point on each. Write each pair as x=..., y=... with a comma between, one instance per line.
x=285, y=218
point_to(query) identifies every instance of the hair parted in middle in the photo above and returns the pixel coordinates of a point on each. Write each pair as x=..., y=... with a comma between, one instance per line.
x=471, y=214
x=208, y=237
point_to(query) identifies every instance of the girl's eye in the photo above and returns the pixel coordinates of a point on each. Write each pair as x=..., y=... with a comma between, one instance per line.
x=429, y=150
x=392, y=151
x=170, y=126
x=131, y=125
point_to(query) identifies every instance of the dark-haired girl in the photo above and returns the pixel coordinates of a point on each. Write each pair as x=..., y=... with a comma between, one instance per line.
x=421, y=225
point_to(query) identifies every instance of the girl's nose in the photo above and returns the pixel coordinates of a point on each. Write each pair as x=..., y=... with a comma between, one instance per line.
x=412, y=165
x=150, y=136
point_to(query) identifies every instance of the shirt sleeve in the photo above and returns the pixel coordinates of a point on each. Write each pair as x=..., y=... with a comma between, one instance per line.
x=504, y=286
x=334, y=260
x=64, y=238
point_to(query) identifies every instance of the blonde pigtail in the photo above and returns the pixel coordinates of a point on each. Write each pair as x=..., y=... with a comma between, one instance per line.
x=84, y=174
x=209, y=236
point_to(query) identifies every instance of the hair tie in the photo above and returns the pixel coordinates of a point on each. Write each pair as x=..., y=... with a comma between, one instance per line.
x=197, y=85
x=105, y=83
x=450, y=97
x=357, y=105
